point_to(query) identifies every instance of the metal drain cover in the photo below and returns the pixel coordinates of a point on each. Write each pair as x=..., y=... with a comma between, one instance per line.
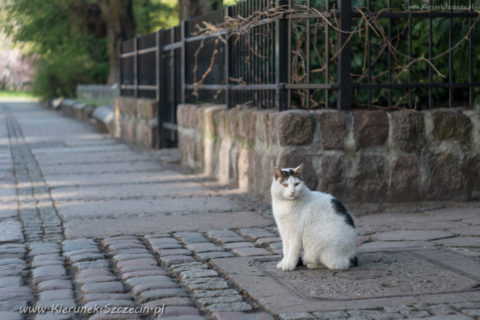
x=383, y=278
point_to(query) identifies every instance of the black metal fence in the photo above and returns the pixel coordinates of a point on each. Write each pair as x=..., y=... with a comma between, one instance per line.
x=311, y=54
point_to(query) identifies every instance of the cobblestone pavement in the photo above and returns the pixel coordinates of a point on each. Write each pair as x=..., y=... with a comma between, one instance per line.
x=112, y=232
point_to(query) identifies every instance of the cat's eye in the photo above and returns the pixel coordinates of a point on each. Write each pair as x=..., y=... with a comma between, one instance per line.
x=285, y=185
x=296, y=184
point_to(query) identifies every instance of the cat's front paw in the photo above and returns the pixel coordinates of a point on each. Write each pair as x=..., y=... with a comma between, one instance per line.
x=286, y=265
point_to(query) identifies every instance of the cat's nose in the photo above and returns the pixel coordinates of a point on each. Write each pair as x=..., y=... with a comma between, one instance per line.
x=292, y=193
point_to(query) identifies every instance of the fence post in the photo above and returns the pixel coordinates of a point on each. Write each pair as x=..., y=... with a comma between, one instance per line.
x=281, y=58
x=344, y=100
x=228, y=59
x=183, y=30
x=135, y=67
x=120, y=68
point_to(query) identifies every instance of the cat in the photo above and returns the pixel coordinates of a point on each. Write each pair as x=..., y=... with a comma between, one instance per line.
x=313, y=225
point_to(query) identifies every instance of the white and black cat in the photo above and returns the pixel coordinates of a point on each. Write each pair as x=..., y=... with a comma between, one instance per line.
x=314, y=226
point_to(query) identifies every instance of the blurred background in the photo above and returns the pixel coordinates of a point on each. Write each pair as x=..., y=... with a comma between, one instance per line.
x=48, y=47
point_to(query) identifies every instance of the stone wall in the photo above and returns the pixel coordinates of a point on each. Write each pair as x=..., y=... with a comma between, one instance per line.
x=370, y=156
x=136, y=120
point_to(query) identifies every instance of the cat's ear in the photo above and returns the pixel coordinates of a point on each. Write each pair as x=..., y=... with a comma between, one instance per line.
x=277, y=172
x=299, y=170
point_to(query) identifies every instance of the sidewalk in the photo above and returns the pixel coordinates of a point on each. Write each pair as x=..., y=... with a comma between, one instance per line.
x=86, y=221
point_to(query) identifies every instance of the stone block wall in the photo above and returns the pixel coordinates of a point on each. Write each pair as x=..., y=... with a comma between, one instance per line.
x=136, y=120
x=362, y=155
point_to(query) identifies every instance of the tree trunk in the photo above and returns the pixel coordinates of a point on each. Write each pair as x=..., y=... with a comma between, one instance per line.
x=118, y=16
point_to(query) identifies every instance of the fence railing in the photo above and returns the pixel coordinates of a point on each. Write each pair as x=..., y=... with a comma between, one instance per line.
x=311, y=54
x=98, y=94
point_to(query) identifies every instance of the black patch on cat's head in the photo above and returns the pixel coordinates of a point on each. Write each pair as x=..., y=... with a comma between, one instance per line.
x=284, y=174
x=341, y=210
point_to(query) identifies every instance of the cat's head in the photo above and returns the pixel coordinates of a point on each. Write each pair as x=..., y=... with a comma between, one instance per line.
x=288, y=183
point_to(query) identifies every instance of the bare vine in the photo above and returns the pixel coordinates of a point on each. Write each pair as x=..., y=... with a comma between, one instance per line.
x=234, y=28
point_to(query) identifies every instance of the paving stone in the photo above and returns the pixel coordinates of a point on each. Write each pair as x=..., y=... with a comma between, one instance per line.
x=449, y=317
x=97, y=279
x=255, y=233
x=136, y=268
x=173, y=301
x=203, y=247
x=104, y=296
x=475, y=313
x=378, y=315
x=209, y=285
x=153, y=285
x=191, y=237
x=103, y=287
x=143, y=273
x=11, y=293
x=90, y=273
x=161, y=293
x=182, y=318
x=112, y=303
x=131, y=256
x=214, y=255
x=157, y=235
x=13, y=305
x=86, y=257
x=56, y=294
x=331, y=315
x=111, y=240
x=42, y=263
x=93, y=264
x=263, y=241
x=188, y=266
x=412, y=235
x=159, y=246
x=175, y=311
x=276, y=245
x=296, y=316
x=169, y=260
x=238, y=245
x=441, y=309
x=173, y=252
x=81, y=251
x=235, y=306
x=54, y=285
x=241, y=316
x=147, y=279
x=10, y=230
x=114, y=316
x=203, y=302
x=198, y=273
x=7, y=315
x=53, y=315
x=78, y=244
x=460, y=242
x=245, y=252
x=12, y=261
x=222, y=233
x=125, y=245
x=10, y=282
x=137, y=262
x=41, y=274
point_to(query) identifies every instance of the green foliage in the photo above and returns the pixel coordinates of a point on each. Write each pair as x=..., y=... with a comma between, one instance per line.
x=68, y=53
x=152, y=15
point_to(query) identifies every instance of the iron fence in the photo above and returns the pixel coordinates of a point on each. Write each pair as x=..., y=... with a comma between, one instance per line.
x=311, y=54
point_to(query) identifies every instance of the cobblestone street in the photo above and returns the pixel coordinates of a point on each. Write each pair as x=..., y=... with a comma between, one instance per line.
x=87, y=221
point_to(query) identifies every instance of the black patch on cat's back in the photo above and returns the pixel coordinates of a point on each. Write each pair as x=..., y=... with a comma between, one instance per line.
x=354, y=262
x=341, y=210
